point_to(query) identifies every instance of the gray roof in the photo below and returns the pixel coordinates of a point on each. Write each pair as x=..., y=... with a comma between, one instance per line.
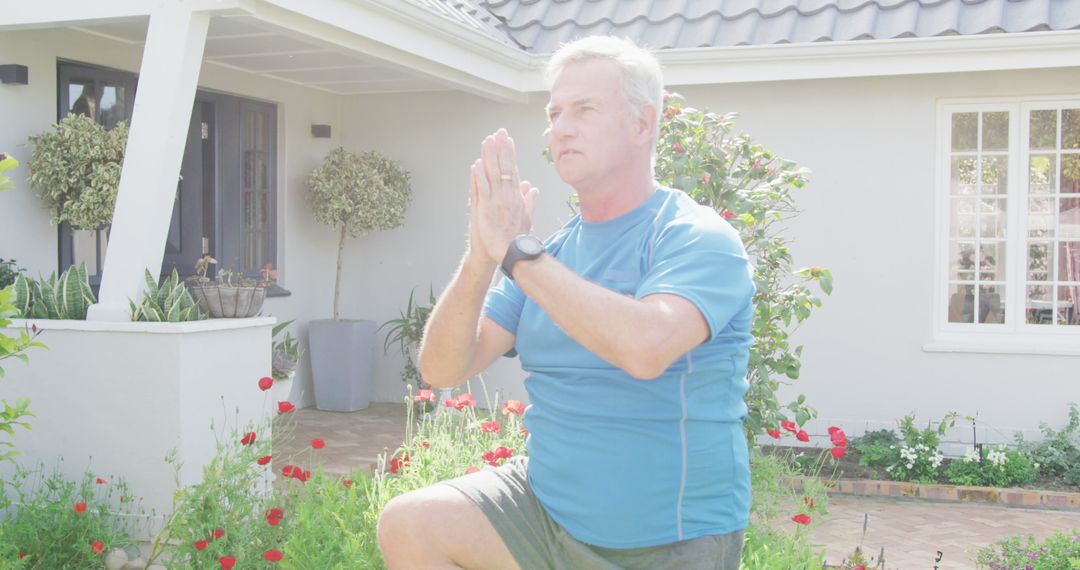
x=467, y=13
x=539, y=26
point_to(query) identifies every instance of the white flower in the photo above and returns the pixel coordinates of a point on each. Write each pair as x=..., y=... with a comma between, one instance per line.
x=971, y=456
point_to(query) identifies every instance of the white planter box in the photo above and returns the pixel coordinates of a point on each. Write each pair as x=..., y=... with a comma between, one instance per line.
x=117, y=397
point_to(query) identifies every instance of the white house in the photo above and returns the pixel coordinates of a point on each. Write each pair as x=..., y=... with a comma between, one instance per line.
x=938, y=133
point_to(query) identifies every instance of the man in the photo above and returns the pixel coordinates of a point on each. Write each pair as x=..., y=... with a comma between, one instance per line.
x=633, y=323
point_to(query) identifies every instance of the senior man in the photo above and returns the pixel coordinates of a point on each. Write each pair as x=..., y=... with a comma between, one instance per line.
x=633, y=324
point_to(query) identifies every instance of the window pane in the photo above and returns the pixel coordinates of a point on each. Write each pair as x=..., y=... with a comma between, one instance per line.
x=1040, y=217
x=262, y=171
x=962, y=218
x=1041, y=174
x=963, y=175
x=83, y=97
x=1043, y=131
x=961, y=304
x=992, y=304
x=112, y=106
x=1070, y=128
x=995, y=131
x=1040, y=308
x=249, y=170
x=965, y=131
x=1069, y=261
x=1069, y=218
x=992, y=261
x=962, y=254
x=995, y=175
x=992, y=218
x=1066, y=305
x=1070, y=173
x=1039, y=260
x=249, y=211
x=260, y=210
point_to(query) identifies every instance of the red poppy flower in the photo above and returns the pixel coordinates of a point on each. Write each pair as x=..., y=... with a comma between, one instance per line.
x=677, y=148
x=503, y=452
x=808, y=501
x=285, y=407
x=97, y=546
x=801, y=519
x=837, y=436
x=80, y=508
x=100, y=481
x=200, y=545
x=248, y=439
x=263, y=460
x=301, y=476
x=461, y=401
x=289, y=470
x=227, y=562
x=217, y=533
x=347, y=483
x=513, y=407
x=22, y=555
x=265, y=383
x=318, y=443
x=789, y=426
x=490, y=427
x=838, y=452
x=728, y=214
x=425, y=444
x=425, y=396
x=802, y=435
x=274, y=516
x=491, y=458
x=706, y=178
x=272, y=555
x=471, y=470
x=773, y=433
x=398, y=462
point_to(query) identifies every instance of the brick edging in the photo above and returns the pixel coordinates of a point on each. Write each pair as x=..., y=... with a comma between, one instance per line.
x=1012, y=496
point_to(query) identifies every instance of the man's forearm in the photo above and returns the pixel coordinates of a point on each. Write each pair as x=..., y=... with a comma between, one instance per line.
x=640, y=338
x=449, y=344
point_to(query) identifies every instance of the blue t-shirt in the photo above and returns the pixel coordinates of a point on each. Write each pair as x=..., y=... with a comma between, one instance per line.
x=626, y=463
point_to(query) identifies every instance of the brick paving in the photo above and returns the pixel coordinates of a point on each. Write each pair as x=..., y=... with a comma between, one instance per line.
x=911, y=530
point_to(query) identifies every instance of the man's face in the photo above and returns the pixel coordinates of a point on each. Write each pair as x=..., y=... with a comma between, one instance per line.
x=592, y=130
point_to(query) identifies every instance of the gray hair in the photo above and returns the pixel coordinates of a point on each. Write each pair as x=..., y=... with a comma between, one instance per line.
x=642, y=81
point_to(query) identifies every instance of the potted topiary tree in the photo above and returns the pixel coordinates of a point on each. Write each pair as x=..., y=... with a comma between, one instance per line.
x=76, y=167
x=355, y=193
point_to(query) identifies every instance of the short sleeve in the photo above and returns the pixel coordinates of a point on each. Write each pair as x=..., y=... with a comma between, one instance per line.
x=503, y=304
x=702, y=260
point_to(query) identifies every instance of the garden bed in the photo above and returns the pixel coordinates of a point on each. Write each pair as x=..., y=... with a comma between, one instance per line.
x=847, y=476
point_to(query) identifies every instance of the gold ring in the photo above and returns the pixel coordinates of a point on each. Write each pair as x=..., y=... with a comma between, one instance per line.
x=506, y=177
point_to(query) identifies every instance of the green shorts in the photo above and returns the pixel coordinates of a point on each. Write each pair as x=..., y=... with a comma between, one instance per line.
x=537, y=542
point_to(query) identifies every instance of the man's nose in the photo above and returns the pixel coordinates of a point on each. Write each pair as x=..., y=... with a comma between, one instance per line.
x=562, y=127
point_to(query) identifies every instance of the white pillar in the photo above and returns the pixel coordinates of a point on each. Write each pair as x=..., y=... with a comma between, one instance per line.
x=167, y=81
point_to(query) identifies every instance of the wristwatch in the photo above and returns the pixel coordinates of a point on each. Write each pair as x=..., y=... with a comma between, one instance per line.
x=523, y=247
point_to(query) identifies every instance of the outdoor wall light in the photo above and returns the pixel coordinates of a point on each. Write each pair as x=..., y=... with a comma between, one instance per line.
x=14, y=74
x=320, y=131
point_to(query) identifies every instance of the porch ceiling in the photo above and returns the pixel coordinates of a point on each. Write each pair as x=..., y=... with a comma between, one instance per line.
x=245, y=43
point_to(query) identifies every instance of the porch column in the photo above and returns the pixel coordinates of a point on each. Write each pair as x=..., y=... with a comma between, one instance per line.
x=155, y=148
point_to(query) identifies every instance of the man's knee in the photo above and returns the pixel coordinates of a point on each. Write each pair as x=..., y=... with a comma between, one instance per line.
x=397, y=522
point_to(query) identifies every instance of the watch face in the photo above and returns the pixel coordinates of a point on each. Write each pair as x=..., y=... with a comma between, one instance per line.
x=529, y=245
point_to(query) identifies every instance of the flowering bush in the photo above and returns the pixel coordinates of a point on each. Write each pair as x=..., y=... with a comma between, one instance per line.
x=52, y=522
x=919, y=456
x=702, y=154
x=1059, y=552
x=1000, y=467
x=1058, y=453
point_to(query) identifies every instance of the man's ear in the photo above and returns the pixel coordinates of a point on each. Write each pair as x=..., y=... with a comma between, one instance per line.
x=646, y=121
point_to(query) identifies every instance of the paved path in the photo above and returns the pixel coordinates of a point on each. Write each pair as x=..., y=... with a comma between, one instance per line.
x=911, y=531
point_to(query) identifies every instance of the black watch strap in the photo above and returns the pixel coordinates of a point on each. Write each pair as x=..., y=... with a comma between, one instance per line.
x=523, y=247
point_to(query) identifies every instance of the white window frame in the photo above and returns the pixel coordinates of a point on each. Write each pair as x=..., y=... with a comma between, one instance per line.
x=1015, y=335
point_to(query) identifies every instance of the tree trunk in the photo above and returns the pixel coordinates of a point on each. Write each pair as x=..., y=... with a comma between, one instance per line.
x=337, y=279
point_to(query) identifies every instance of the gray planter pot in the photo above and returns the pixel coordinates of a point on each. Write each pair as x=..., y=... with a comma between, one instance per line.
x=342, y=363
x=229, y=302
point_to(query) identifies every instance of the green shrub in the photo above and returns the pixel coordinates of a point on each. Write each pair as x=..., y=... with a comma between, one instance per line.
x=879, y=448
x=704, y=155
x=1058, y=453
x=57, y=523
x=999, y=467
x=170, y=303
x=765, y=548
x=1059, y=552
x=8, y=272
x=919, y=457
